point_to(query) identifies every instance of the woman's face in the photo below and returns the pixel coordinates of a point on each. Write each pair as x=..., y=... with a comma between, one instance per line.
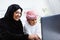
x=17, y=14
x=32, y=21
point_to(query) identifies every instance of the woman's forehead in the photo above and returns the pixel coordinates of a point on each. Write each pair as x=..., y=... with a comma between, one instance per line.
x=19, y=10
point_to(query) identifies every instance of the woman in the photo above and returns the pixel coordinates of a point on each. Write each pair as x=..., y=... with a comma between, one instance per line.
x=10, y=25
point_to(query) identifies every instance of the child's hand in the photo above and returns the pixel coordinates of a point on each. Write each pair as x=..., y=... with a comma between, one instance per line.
x=34, y=37
x=37, y=37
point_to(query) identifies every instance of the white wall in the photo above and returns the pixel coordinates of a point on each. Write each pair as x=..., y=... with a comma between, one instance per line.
x=25, y=4
x=43, y=7
x=38, y=5
x=54, y=6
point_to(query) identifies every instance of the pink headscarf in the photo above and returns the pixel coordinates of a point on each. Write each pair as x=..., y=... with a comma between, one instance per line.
x=31, y=15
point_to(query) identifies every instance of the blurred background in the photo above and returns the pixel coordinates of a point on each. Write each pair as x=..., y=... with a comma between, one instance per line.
x=43, y=7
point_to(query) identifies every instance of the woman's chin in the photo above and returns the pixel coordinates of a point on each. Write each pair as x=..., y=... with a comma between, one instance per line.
x=17, y=19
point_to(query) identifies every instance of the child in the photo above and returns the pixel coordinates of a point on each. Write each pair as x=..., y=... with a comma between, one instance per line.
x=31, y=25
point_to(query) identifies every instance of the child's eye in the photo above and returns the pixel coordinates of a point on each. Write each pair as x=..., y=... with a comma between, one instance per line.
x=32, y=20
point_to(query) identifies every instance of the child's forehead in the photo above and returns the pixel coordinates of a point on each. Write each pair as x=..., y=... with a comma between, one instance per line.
x=32, y=19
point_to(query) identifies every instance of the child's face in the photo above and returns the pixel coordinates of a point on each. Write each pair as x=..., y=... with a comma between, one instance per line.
x=32, y=21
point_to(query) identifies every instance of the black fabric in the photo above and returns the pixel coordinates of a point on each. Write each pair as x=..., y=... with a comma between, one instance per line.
x=11, y=9
x=11, y=29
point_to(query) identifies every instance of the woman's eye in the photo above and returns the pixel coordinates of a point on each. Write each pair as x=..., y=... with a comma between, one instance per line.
x=17, y=12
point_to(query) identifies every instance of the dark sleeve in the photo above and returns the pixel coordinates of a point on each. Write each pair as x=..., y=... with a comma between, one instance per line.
x=12, y=36
x=6, y=35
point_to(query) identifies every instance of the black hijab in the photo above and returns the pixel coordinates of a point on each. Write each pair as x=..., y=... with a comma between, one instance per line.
x=11, y=29
x=14, y=26
x=10, y=11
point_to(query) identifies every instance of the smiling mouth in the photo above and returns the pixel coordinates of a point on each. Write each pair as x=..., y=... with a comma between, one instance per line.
x=18, y=16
